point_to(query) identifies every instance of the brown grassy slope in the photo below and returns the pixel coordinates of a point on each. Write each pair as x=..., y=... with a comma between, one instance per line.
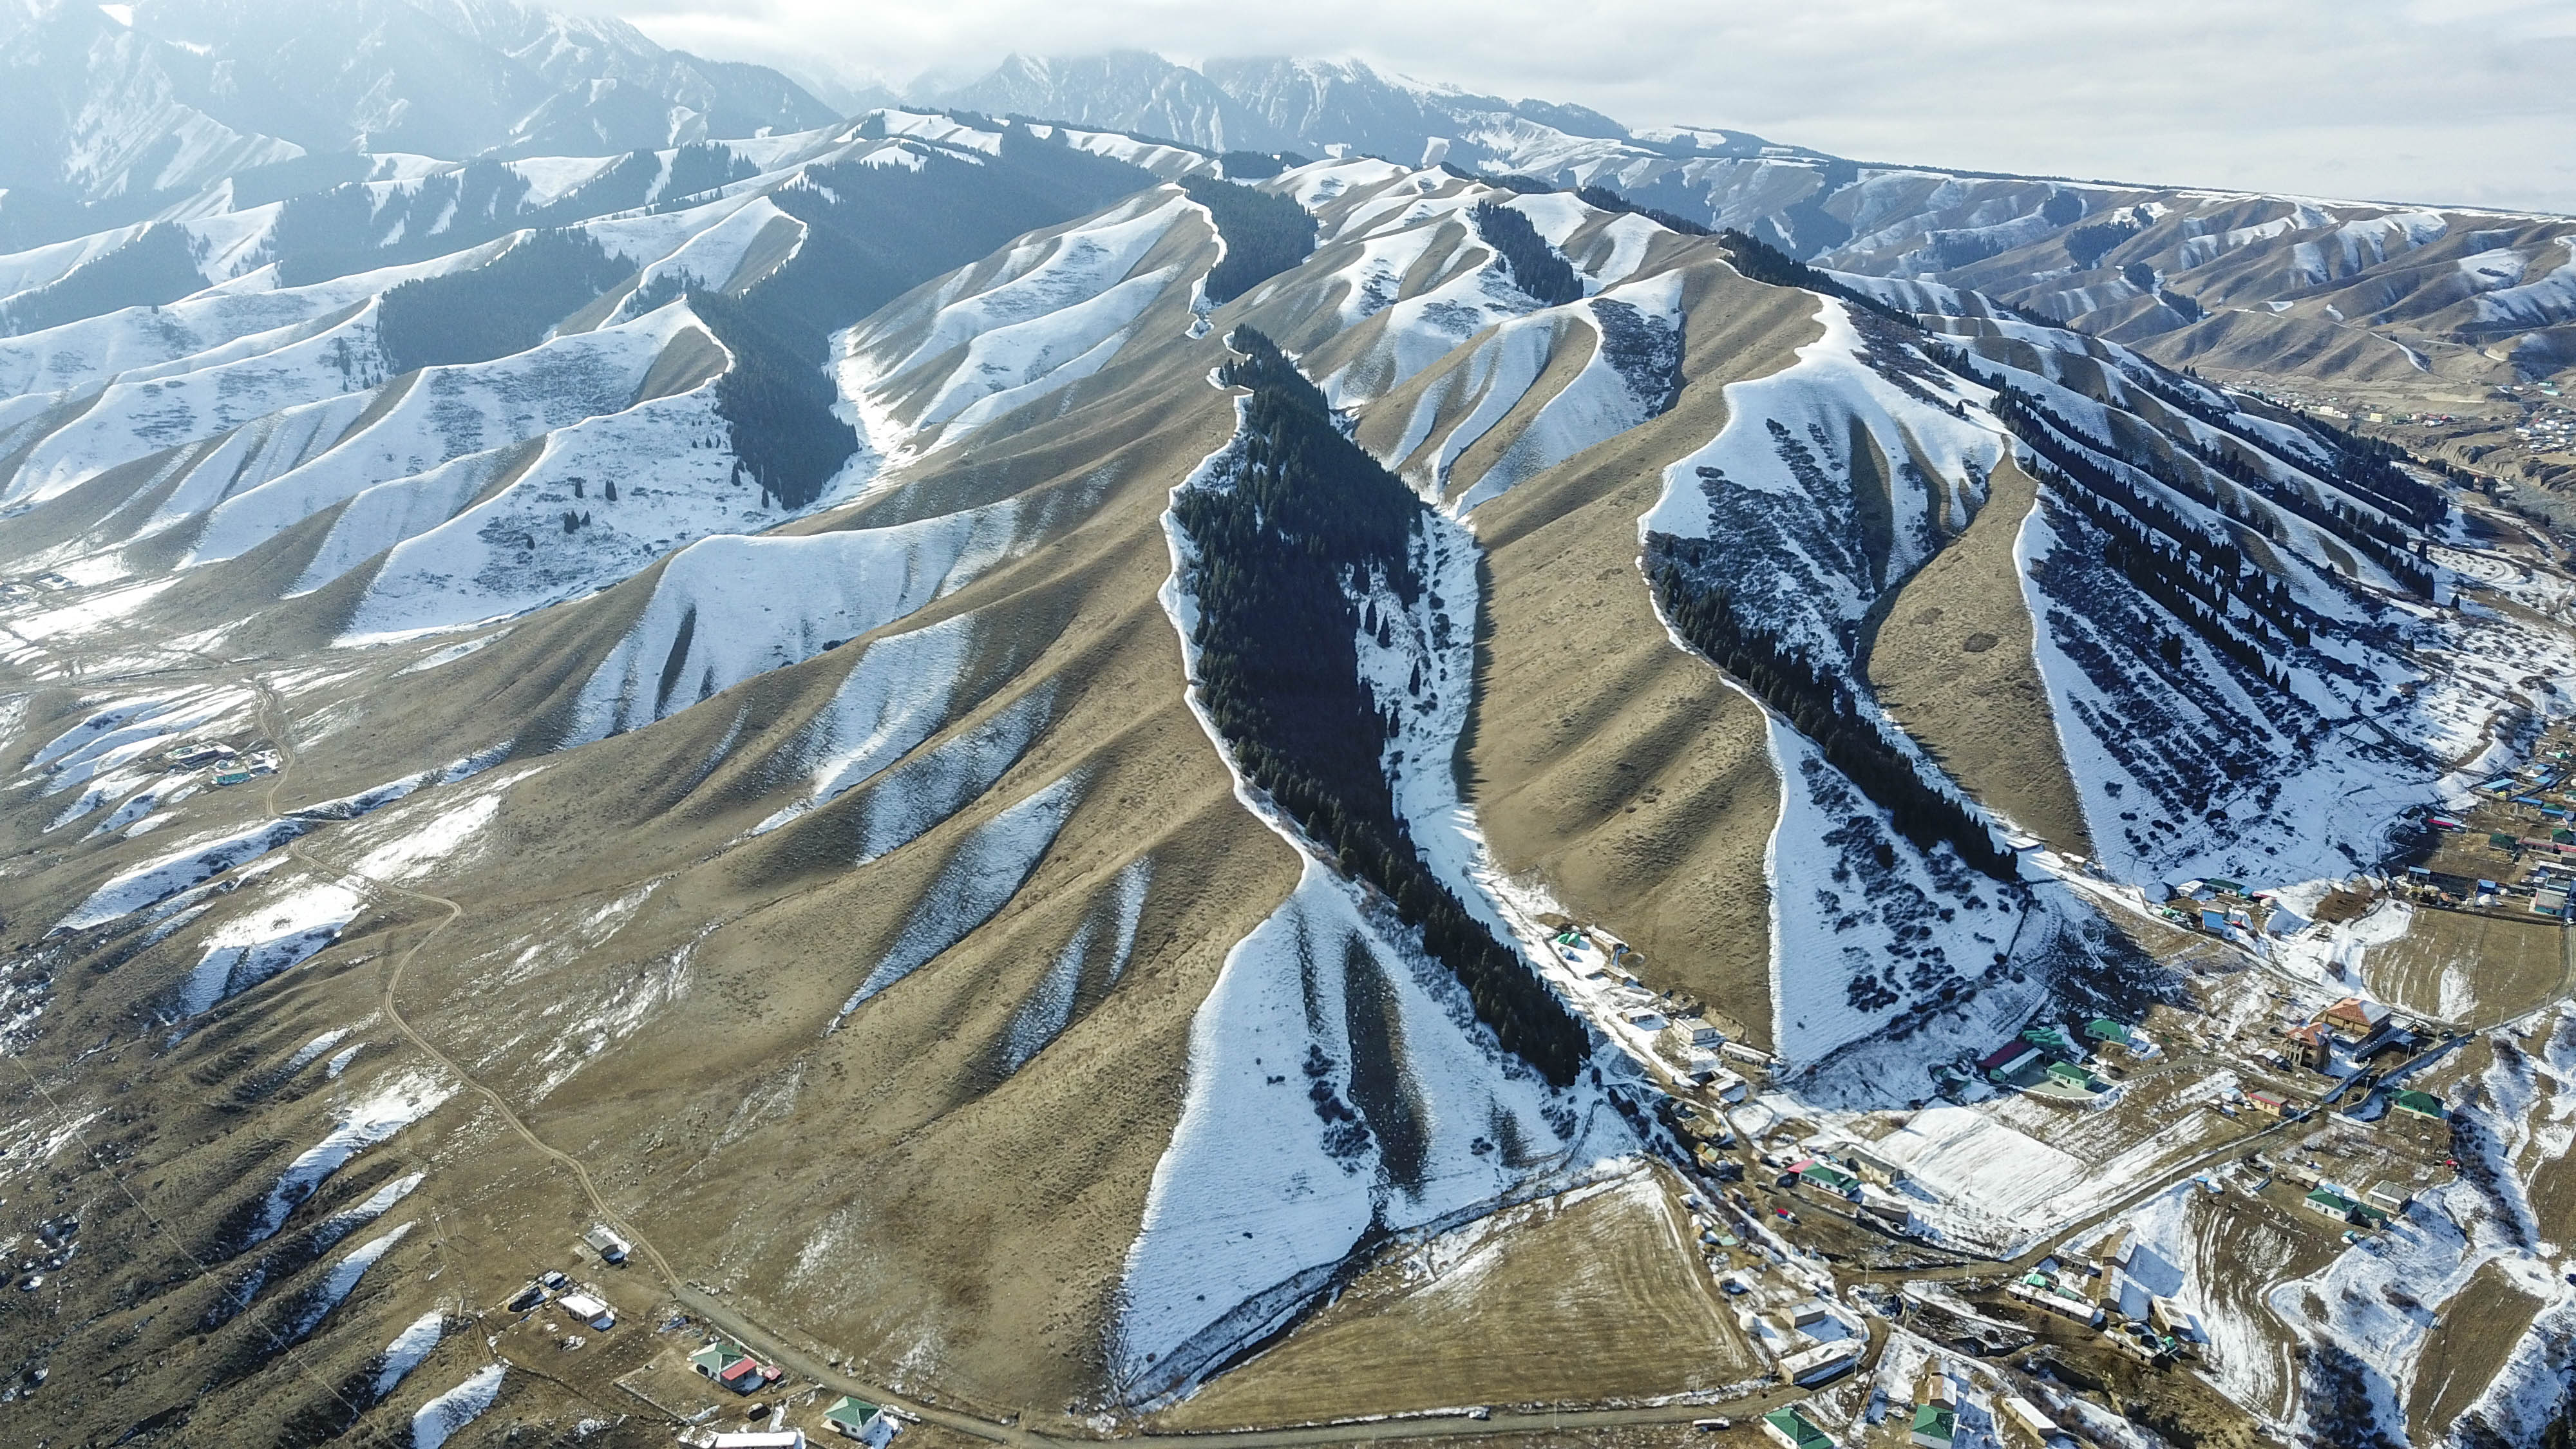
x=1953, y=664
x=886, y=1190
x=2483, y=968
x=1623, y=773
x=1591, y=1297
x=2469, y=1342
x=913, y=1204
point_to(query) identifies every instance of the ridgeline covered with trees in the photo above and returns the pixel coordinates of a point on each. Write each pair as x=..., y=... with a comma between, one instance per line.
x=2192, y=575
x=1682, y=571
x=1279, y=672
x=1264, y=235
x=159, y=265
x=506, y=305
x=1535, y=267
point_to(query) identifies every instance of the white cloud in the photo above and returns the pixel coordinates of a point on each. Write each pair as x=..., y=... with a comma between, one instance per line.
x=2460, y=101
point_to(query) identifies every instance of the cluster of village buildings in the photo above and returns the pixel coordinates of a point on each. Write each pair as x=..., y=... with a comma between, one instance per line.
x=722, y=1361
x=1933, y=1418
x=230, y=766
x=2513, y=848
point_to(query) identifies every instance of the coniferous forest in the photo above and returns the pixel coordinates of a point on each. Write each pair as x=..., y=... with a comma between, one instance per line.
x=1819, y=706
x=159, y=265
x=506, y=305
x=1264, y=235
x=1279, y=672
x=1535, y=266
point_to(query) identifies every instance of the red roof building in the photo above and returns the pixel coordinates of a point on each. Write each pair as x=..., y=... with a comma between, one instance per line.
x=743, y=1376
x=2308, y=1047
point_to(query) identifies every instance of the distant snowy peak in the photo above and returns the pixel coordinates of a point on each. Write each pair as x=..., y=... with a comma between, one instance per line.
x=1271, y=104
x=1128, y=90
x=131, y=114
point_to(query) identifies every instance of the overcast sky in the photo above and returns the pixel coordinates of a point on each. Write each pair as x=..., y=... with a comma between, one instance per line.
x=2460, y=101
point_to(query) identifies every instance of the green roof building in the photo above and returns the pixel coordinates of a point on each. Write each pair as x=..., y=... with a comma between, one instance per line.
x=2048, y=1038
x=711, y=1360
x=1790, y=1429
x=2420, y=1104
x=1828, y=1178
x=2103, y=1028
x=851, y=1418
x=2328, y=1203
x=1934, y=1426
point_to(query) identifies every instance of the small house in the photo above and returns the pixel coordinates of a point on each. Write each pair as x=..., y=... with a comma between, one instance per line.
x=2422, y=1105
x=855, y=1418
x=1934, y=1426
x=2327, y=1203
x=2106, y=1031
x=2049, y=1039
x=2113, y=1251
x=711, y=1360
x=758, y=1439
x=610, y=1247
x=1790, y=1430
x=1813, y=1366
x=743, y=1376
x=589, y=1308
x=2270, y=1104
x=2007, y=1062
x=1700, y=1066
x=1695, y=1031
x=1829, y=1181
x=2042, y=1290
x=2550, y=902
x=2390, y=1198
x=2025, y=1413
x=2171, y=1317
x=1887, y=1208
x=1873, y=1167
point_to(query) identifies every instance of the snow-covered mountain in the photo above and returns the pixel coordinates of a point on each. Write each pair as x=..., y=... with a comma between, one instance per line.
x=1107, y=783
x=119, y=113
x=2282, y=285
